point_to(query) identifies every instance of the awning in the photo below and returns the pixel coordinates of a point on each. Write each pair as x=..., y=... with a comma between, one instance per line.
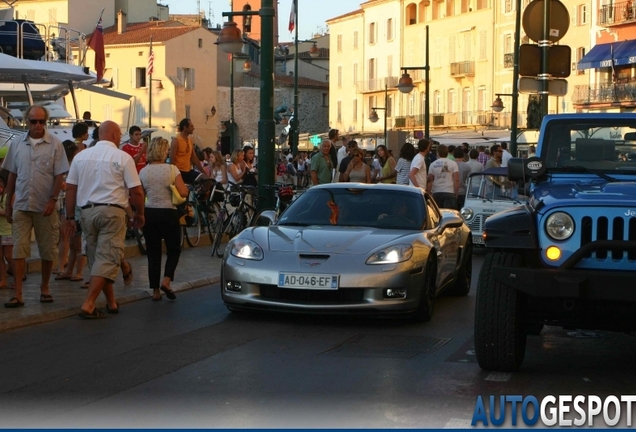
x=601, y=56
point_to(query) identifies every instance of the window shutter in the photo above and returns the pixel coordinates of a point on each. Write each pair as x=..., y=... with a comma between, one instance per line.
x=180, y=75
x=192, y=79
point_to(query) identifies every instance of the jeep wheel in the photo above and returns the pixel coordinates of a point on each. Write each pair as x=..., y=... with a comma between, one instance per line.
x=424, y=311
x=465, y=272
x=500, y=337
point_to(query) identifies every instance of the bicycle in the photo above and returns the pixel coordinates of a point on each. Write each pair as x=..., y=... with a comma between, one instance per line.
x=231, y=224
x=202, y=212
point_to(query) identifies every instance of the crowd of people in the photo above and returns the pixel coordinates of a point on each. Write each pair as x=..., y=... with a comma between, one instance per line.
x=80, y=201
x=443, y=172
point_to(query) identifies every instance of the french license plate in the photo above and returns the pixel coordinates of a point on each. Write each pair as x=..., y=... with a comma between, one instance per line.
x=307, y=281
x=478, y=240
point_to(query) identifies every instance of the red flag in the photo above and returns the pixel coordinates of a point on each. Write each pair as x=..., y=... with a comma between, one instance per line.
x=292, y=17
x=96, y=42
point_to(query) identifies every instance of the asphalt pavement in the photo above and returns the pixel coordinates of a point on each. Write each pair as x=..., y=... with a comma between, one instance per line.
x=196, y=268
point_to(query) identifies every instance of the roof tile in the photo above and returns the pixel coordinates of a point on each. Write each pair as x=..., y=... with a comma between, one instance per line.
x=139, y=33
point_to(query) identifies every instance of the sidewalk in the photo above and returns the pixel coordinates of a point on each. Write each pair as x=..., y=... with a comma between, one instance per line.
x=196, y=268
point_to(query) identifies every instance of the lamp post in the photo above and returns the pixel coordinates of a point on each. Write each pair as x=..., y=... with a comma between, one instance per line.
x=405, y=85
x=498, y=106
x=230, y=41
x=373, y=117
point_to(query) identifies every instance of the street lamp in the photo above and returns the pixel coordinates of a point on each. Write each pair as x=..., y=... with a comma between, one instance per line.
x=373, y=117
x=405, y=85
x=229, y=39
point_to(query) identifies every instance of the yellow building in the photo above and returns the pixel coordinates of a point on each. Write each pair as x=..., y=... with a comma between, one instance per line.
x=183, y=83
x=471, y=45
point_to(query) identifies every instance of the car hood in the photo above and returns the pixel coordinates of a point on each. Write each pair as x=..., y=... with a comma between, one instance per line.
x=594, y=193
x=340, y=240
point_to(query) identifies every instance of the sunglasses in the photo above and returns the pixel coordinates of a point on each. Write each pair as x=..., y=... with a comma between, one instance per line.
x=36, y=121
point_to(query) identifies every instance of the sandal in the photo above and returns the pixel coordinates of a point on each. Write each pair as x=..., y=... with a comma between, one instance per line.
x=96, y=314
x=169, y=292
x=113, y=311
x=46, y=298
x=14, y=303
x=76, y=279
x=63, y=277
x=85, y=285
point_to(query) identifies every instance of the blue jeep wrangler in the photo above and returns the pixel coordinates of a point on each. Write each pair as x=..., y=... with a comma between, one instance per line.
x=568, y=256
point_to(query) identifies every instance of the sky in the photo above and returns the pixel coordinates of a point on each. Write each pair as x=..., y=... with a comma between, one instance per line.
x=312, y=14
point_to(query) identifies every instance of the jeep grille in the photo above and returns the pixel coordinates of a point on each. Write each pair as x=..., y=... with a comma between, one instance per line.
x=477, y=224
x=609, y=228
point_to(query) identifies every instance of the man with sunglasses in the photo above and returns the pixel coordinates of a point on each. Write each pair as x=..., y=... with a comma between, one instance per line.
x=36, y=166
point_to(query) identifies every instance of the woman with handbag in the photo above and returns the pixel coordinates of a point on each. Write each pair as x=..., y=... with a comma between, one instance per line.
x=164, y=189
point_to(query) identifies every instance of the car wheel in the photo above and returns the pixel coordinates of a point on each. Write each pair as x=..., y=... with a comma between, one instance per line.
x=465, y=272
x=500, y=337
x=424, y=311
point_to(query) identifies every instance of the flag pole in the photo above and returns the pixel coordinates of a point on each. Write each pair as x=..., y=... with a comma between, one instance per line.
x=150, y=86
x=294, y=120
x=83, y=56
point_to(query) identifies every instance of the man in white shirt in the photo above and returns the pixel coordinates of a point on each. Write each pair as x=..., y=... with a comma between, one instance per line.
x=445, y=183
x=506, y=156
x=100, y=181
x=418, y=175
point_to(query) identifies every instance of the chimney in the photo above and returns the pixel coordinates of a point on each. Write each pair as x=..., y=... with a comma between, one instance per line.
x=121, y=22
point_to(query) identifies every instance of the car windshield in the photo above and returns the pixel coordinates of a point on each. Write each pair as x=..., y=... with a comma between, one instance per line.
x=590, y=145
x=363, y=207
x=491, y=187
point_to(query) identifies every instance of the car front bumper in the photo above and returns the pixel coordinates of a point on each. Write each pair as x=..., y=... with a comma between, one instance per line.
x=360, y=291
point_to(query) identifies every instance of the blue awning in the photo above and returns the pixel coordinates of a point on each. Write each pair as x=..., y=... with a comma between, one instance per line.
x=623, y=53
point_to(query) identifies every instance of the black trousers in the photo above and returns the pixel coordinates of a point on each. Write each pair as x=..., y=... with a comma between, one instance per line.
x=162, y=224
x=445, y=200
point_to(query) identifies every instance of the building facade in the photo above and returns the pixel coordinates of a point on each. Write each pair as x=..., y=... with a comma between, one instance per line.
x=471, y=59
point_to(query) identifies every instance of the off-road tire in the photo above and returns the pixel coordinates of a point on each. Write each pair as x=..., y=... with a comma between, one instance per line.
x=500, y=337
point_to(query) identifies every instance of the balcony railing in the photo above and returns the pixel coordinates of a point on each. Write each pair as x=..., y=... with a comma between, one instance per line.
x=604, y=93
x=617, y=13
x=460, y=69
x=509, y=60
x=458, y=119
x=378, y=84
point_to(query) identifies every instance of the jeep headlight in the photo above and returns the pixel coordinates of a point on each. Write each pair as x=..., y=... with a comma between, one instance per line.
x=559, y=226
x=467, y=213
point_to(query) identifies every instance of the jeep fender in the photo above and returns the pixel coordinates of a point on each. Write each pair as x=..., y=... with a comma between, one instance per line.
x=514, y=228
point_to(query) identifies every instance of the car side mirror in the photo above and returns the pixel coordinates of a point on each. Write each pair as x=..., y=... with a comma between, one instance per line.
x=519, y=170
x=266, y=218
x=449, y=221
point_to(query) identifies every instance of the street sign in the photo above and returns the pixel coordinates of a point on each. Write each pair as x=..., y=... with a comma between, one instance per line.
x=556, y=87
x=533, y=19
x=558, y=60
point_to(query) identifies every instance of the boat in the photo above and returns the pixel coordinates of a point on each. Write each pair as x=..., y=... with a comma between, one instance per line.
x=43, y=71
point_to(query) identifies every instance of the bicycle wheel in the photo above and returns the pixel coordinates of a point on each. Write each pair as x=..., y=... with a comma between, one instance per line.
x=219, y=230
x=213, y=211
x=193, y=232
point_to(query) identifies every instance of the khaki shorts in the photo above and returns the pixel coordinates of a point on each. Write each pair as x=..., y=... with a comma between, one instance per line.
x=104, y=229
x=47, y=234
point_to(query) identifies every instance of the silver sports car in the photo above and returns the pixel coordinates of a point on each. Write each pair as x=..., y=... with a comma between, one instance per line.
x=351, y=248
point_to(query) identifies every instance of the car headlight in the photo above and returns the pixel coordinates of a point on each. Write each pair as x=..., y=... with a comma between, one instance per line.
x=246, y=249
x=391, y=255
x=467, y=213
x=559, y=226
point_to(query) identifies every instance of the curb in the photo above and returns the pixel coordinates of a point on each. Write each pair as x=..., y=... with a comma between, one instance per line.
x=73, y=311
